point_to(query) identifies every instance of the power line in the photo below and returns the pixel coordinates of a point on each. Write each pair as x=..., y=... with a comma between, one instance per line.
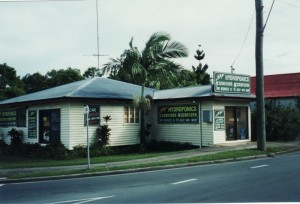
x=268, y=16
x=243, y=41
x=289, y=4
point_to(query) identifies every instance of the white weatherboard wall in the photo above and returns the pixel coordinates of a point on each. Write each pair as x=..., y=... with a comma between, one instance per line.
x=64, y=123
x=121, y=133
x=175, y=132
x=72, y=129
x=77, y=130
x=197, y=134
x=206, y=128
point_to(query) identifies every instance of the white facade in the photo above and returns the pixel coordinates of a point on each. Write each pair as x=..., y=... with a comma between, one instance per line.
x=72, y=129
x=202, y=133
x=58, y=114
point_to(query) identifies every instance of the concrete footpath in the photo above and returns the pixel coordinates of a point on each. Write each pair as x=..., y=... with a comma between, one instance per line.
x=293, y=146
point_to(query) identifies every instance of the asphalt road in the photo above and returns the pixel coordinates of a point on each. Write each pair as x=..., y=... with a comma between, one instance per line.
x=264, y=180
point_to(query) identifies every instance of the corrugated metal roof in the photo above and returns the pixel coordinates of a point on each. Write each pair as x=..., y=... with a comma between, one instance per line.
x=196, y=92
x=90, y=88
x=186, y=92
x=103, y=88
x=279, y=86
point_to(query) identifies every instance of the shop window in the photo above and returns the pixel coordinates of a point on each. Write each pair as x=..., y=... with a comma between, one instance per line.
x=236, y=119
x=131, y=115
x=21, y=117
x=49, y=126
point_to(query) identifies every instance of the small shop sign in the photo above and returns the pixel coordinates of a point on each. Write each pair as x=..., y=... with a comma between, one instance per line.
x=93, y=115
x=8, y=118
x=178, y=114
x=32, y=124
x=219, y=117
x=231, y=83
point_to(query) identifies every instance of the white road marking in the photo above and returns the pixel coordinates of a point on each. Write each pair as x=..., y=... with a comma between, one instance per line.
x=184, y=181
x=86, y=200
x=1, y=185
x=261, y=166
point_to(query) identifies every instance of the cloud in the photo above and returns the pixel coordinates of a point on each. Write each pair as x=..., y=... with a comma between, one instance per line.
x=40, y=36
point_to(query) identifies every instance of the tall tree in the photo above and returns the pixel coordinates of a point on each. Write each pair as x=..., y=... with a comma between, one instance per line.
x=201, y=76
x=35, y=82
x=92, y=72
x=148, y=68
x=10, y=84
x=61, y=76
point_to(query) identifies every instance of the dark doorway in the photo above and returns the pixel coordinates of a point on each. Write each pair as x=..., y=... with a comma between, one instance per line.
x=49, y=130
x=236, y=119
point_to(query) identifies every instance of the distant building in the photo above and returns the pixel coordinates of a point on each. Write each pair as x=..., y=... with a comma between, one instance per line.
x=280, y=89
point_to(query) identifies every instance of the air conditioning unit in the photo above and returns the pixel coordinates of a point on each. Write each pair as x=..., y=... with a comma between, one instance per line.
x=208, y=116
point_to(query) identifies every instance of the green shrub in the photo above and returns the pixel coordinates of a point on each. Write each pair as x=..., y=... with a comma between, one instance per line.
x=97, y=151
x=164, y=146
x=56, y=151
x=16, y=137
x=126, y=149
x=31, y=150
x=103, y=132
x=282, y=123
x=79, y=151
x=4, y=148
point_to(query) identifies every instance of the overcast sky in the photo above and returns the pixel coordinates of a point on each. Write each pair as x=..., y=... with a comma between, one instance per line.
x=38, y=36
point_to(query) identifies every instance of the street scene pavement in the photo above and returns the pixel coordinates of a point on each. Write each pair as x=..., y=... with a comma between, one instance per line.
x=266, y=179
x=293, y=145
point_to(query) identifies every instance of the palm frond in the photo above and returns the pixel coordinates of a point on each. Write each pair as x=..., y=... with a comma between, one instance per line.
x=113, y=66
x=173, y=49
x=144, y=103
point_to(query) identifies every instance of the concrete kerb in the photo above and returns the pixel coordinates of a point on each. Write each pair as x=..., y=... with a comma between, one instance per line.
x=135, y=170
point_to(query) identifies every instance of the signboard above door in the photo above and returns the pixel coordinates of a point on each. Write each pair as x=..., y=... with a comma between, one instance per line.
x=231, y=83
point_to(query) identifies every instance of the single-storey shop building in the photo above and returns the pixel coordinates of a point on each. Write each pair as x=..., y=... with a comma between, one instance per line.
x=198, y=115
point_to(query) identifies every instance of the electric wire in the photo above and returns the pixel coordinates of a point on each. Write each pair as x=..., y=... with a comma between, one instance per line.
x=268, y=16
x=289, y=4
x=243, y=41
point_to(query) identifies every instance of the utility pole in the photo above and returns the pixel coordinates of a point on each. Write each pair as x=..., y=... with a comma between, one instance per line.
x=260, y=102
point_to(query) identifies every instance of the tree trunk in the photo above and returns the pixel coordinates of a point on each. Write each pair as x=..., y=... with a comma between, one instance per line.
x=142, y=129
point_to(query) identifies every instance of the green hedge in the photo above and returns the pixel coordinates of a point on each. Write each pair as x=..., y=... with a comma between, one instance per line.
x=282, y=123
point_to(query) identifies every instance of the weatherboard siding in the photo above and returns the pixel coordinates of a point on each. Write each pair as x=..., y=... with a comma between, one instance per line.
x=77, y=130
x=175, y=132
x=121, y=133
x=207, y=128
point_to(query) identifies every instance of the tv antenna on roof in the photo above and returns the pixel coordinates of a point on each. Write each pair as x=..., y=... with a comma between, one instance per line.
x=98, y=54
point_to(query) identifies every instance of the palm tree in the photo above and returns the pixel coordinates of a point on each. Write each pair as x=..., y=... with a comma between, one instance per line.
x=148, y=68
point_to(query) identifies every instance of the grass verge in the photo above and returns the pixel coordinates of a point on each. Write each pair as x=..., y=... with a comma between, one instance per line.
x=202, y=158
x=7, y=162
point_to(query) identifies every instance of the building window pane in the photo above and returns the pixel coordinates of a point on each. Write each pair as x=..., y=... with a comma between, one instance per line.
x=131, y=115
x=126, y=115
x=21, y=117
